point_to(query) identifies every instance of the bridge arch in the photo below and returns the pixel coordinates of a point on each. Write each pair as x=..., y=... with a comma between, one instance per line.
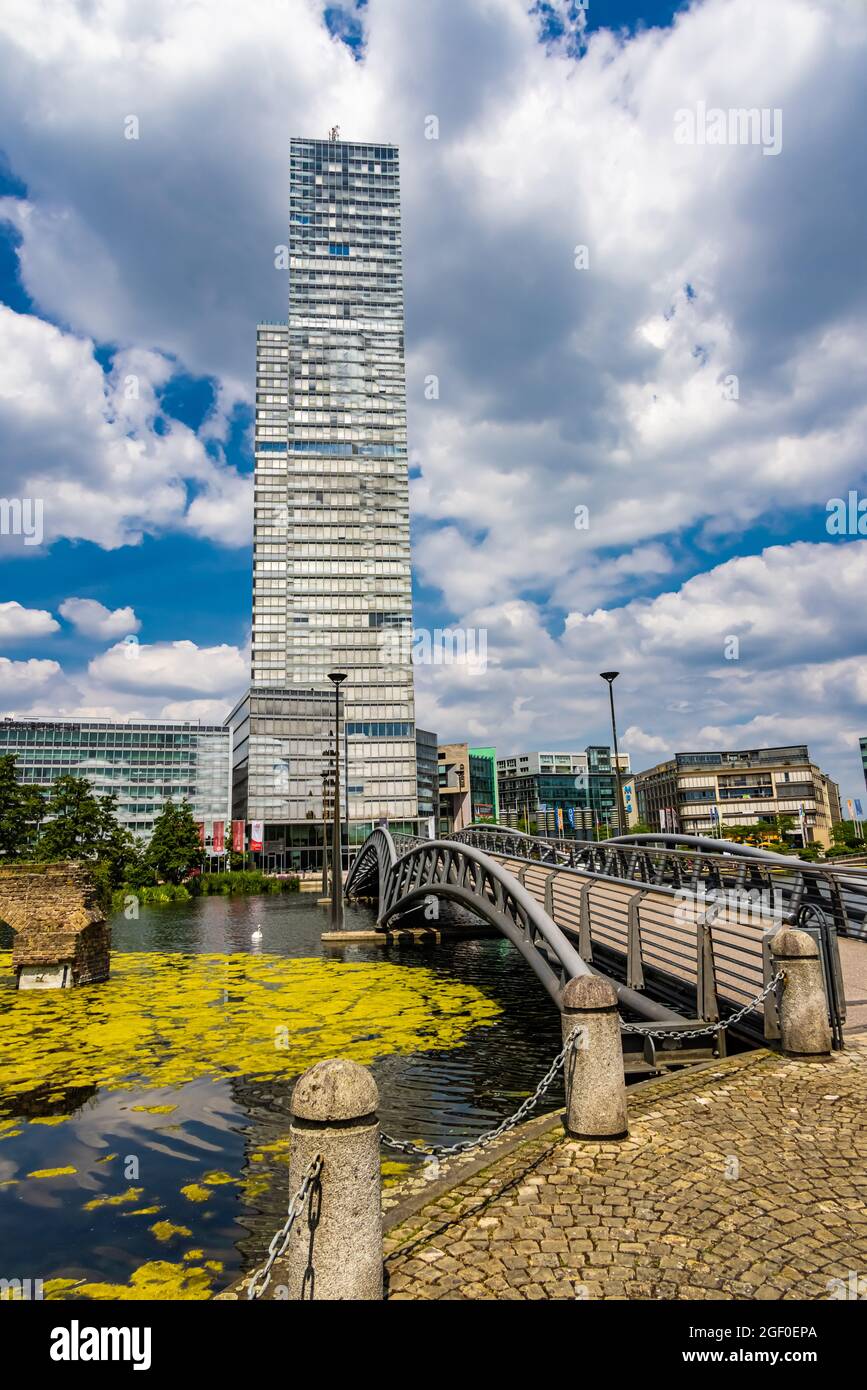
x=454, y=871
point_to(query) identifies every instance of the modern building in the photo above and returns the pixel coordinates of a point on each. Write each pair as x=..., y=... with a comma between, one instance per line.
x=863, y=744
x=698, y=793
x=484, y=787
x=455, y=800
x=562, y=793
x=145, y=763
x=331, y=560
x=427, y=781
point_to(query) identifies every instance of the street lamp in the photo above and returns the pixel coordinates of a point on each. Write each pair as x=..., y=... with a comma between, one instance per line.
x=337, y=678
x=611, y=677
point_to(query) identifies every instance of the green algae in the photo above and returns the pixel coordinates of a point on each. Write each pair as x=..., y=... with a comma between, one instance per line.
x=154, y=1279
x=165, y=1019
x=165, y=1230
x=132, y=1194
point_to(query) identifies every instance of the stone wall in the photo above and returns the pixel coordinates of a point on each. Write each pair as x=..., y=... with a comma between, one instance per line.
x=61, y=935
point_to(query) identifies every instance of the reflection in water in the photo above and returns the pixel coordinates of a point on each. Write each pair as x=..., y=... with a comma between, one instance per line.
x=146, y=1119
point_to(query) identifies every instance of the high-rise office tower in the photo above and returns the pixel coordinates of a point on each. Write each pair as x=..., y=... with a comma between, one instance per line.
x=331, y=567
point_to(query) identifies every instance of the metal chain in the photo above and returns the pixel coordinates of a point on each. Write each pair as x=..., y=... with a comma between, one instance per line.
x=262, y=1278
x=711, y=1027
x=407, y=1146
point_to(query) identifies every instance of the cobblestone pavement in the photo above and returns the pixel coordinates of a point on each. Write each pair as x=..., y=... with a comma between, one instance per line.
x=747, y=1179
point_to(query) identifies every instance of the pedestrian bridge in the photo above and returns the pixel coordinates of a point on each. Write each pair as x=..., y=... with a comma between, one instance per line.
x=680, y=925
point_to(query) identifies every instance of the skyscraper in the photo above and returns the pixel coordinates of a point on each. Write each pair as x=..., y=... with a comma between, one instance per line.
x=331, y=562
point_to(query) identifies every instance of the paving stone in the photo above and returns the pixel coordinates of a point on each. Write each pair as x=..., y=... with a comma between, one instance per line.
x=656, y=1216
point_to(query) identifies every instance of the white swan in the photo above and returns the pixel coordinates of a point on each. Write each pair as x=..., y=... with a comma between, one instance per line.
x=257, y=934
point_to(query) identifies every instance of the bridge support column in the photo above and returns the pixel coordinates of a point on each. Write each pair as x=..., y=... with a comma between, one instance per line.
x=335, y=1246
x=595, y=1084
x=804, y=1027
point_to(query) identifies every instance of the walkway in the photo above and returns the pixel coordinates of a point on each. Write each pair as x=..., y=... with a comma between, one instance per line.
x=745, y=1178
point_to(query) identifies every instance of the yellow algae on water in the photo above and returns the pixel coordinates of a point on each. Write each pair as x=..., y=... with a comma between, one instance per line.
x=144, y=1211
x=166, y=1019
x=164, y=1230
x=194, y=1255
x=49, y=1119
x=56, y=1288
x=156, y=1279
x=217, y=1179
x=132, y=1194
x=194, y=1192
x=51, y=1172
x=155, y=1109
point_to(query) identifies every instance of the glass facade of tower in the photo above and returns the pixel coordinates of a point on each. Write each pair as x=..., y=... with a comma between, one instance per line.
x=331, y=566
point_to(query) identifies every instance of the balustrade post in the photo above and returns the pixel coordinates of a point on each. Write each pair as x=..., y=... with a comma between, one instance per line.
x=595, y=1083
x=335, y=1246
x=804, y=1028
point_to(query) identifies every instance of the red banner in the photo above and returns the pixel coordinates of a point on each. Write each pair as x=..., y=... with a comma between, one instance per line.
x=238, y=836
x=201, y=827
x=219, y=836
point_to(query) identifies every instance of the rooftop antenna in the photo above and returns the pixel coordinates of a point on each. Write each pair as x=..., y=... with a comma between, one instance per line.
x=334, y=133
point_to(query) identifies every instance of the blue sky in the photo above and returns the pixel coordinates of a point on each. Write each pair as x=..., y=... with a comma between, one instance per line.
x=152, y=260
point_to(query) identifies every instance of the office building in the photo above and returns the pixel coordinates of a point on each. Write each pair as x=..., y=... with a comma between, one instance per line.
x=484, y=787
x=145, y=763
x=331, y=562
x=455, y=802
x=427, y=781
x=574, y=794
x=698, y=793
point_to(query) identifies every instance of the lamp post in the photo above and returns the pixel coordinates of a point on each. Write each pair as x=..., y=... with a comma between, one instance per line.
x=611, y=677
x=337, y=678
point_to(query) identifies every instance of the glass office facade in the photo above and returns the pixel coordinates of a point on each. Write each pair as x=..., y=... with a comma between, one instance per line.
x=145, y=764
x=331, y=566
x=484, y=792
x=541, y=784
x=427, y=775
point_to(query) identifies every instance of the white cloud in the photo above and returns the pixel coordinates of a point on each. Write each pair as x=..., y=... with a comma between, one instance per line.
x=85, y=444
x=93, y=619
x=24, y=680
x=18, y=623
x=164, y=668
x=558, y=387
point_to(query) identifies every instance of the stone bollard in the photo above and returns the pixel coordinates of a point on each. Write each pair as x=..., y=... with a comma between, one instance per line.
x=595, y=1084
x=804, y=1027
x=335, y=1246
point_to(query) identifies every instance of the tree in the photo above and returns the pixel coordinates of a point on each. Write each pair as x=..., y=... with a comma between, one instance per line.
x=175, y=846
x=21, y=810
x=81, y=825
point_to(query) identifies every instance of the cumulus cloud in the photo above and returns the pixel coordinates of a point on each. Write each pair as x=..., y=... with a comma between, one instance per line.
x=797, y=678
x=93, y=619
x=18, y=623
x=693, y=388
x=171, y=668
x=25, y=680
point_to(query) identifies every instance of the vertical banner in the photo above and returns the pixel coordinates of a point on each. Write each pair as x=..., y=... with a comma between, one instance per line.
x=431, y=828
x=200, y=825
x=560, y=819
x=219, y=836
x=257, y=829
x=662, y=824
x=238, y=836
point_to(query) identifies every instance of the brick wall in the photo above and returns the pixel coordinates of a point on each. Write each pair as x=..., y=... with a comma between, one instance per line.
x=55, y=912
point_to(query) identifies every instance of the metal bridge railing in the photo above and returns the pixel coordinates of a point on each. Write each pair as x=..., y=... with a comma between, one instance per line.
x=681, y=923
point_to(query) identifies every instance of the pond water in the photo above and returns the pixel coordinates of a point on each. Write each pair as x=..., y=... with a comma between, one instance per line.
x=144, y=1121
